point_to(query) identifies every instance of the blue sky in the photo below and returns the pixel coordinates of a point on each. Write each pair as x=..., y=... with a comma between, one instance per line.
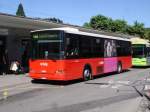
x=78, y=12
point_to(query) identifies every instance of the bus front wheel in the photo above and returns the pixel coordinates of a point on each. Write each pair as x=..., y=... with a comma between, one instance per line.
x=87, y=74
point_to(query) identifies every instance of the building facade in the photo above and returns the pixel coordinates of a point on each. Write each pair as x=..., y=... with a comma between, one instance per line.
x=15, y=38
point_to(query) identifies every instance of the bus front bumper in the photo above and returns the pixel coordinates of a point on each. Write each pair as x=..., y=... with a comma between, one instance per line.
x=47, y=76
x=139, y=62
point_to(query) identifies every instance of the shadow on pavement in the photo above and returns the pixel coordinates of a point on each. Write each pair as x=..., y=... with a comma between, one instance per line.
x=109, y=74
x=53, y=82
x=141, y=67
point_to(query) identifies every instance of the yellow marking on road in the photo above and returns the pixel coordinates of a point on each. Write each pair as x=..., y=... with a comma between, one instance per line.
x=11, y=88
x=30, y=86
x=5, y=94
x=42, y=87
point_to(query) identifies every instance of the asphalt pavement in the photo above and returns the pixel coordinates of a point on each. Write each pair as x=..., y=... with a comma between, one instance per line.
x=108, y=93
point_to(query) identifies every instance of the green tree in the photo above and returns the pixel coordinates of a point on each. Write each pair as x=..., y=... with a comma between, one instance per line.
x=137, y=29
x=100, y=22
x=20, y=11
x=118, y=26
x=55, y=20
x=147, y=33
x=87, y=25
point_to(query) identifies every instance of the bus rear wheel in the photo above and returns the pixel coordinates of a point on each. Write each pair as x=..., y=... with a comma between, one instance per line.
x=119, y=68
x=87, y=74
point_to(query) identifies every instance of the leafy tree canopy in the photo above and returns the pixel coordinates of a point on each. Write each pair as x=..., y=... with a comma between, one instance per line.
x=55, y=20
x=104, y=23
x=147, y=33
x=137, y=29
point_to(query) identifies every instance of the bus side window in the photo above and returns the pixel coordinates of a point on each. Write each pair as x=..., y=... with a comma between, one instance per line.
x=85, y=47
x=123, y=48
x=72, y=50
x=97, y=47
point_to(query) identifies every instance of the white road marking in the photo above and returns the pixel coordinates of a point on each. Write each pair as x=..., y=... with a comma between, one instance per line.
x=123, y=82
x=147, y=79
x=147, y=87
x=104, y=86
x=110, y=81
x=92, y=110
x=116, y=86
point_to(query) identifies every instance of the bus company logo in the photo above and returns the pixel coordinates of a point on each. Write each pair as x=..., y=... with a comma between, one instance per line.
x=44, y=64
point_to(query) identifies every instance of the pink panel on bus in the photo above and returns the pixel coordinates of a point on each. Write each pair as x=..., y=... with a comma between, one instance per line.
x=110, y=64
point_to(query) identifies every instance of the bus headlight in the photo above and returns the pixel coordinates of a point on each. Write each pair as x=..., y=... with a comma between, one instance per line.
x=31, y=71
x=59, y=71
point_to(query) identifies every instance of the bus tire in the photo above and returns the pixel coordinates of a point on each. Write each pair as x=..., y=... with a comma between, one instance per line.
x=119, y=67
x=87, y=73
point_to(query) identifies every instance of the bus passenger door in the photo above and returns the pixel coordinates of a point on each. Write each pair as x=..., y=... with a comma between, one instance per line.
x=148, y=55
x=73, y=63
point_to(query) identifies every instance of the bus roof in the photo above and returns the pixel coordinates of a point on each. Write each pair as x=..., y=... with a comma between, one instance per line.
x=139, y=41
x=77, y=31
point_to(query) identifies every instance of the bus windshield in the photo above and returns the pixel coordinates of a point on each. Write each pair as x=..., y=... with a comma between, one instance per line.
x=138, y=50
x=47, y=45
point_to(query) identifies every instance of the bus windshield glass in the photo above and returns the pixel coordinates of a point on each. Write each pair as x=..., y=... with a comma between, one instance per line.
x=138, y=50
x=47, y=45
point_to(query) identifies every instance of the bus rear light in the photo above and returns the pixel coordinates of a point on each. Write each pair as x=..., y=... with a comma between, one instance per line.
x=59, y=71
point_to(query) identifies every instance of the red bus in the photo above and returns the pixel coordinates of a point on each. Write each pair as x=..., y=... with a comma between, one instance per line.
x=68, y=54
